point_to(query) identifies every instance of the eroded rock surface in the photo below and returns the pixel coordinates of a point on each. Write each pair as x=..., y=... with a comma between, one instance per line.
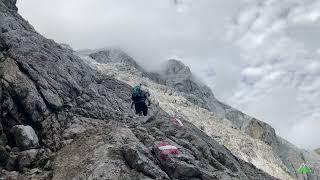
x=131, y=153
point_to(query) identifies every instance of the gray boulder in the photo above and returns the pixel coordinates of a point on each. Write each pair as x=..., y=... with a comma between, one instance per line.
x=25, y=137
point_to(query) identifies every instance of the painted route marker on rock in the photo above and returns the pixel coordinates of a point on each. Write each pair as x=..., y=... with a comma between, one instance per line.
x=166, y=149
x=177, y=122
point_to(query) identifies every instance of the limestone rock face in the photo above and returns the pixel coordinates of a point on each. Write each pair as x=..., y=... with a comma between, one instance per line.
x=317, y=151
x=25, y=137
x=179, y=77
x=85, y=127
x=261, y=130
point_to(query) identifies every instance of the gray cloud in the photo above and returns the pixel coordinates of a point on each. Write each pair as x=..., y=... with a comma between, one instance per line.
x=259, y=56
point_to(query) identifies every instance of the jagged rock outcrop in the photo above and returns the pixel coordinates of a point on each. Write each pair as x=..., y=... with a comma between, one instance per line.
x=83, y=120
x=317, y=151
x=178, y=76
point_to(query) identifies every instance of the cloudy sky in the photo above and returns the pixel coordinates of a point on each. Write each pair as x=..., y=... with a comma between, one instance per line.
x=262, y=57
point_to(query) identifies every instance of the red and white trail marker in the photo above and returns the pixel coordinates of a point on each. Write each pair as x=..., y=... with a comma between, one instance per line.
x=177, y=122
x=166, y=149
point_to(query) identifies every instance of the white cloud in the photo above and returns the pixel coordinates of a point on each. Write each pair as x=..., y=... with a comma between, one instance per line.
x=306, y=13
x=260, y=56
x=287, y=95
x=313, y=67
x=253, y=74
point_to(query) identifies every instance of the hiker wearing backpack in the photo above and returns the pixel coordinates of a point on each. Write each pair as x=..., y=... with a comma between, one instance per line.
x=139, y=98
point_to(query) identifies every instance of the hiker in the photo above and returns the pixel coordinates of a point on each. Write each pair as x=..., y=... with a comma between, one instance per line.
x=139, y=98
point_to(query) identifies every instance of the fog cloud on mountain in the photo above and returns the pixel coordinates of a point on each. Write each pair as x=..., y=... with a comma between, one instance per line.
x=262, y=57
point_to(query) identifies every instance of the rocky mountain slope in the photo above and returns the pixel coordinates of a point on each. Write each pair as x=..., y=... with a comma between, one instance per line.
x=248, y=138
x=61, y=119
x=291, y=156
x=317, y=151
